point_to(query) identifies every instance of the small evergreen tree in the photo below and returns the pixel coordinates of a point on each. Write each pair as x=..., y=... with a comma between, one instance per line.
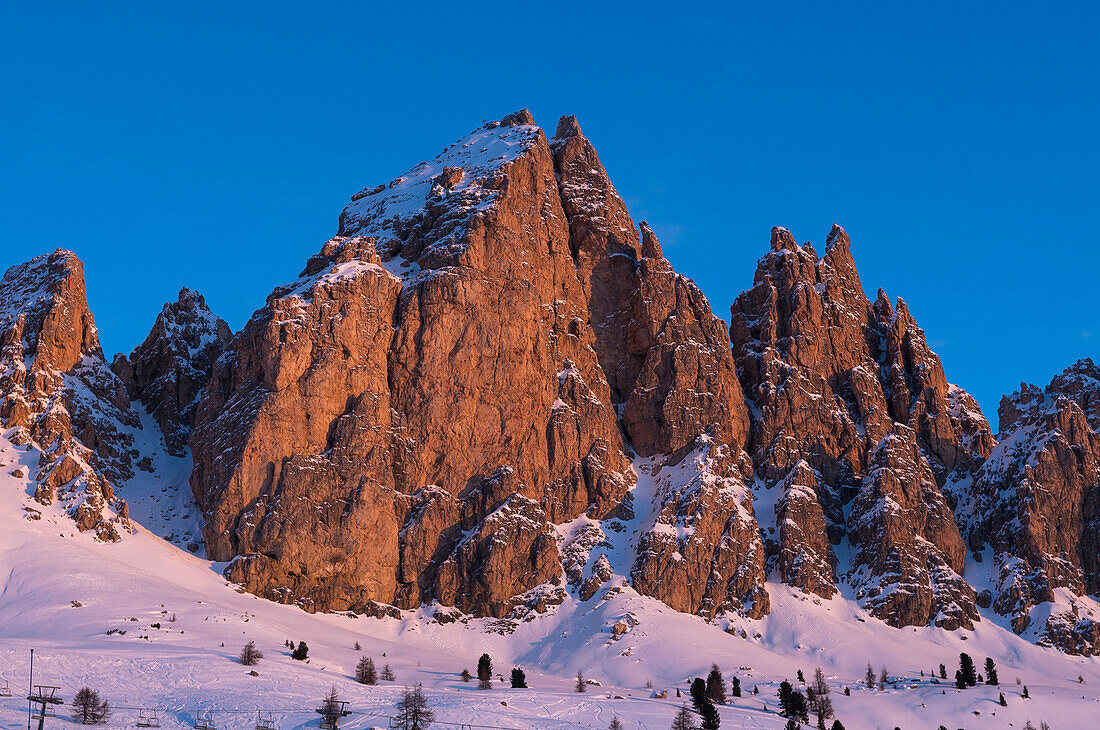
x=466, y=675
x=869, y=677
x=755, y=689
x=837, y=725
x=582, y=685
x=800, y=677
x=847, y=691
x=250, y=655
x=88, y=708
x=883, y=678
x=1025, y=695
x=683, y=720
x=365, y=672
x=943, y=672
x=387, y=674
x=616, y=724
x=484, y=672
x=960, y=679
x=1002, y=700
x=357, y=647
x=301, y=652
x=792, y=724
x=991, y=672
x=519, y=679
x=966, y=665
x=735, y=687
x=716, y=686
x=413, y=711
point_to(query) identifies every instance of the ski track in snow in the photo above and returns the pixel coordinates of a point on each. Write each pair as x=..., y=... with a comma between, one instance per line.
x=189, y=666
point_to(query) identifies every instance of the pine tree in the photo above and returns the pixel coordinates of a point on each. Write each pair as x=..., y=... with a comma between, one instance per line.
x=358, y=647
x=484, y=672
x=581, y=686
x=800, y=677
x=365, y=672
x=413, y=711
x=991, y=672
x=301, y=652
x=711, y=719
x=966, y=665
x=387, y=673
x=683, y=720
x=883, y=678
x=519, y=679
x=1025, y=695
x=1028, y=725
x=960, y=679
x=88, y=708
x=716, y=686
x=785, y=692
x=869, y=677
x=792, y=724
x=1002, y=700
x=847, y=691
x=616, y=724
x=698, y=692
x=250, y=655
x=735, y=688
x=943, y=672
x=466, y=675
x=837, y=725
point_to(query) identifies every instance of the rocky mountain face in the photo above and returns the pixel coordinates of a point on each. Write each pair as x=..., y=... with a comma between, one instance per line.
x=1035, y=504
x=429, y=398
x=58, y=395
x=851, y=408
x=168, y=371
x=490, y=390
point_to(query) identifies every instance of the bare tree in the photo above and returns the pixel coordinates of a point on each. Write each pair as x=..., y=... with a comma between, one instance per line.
x=250, y=655
x=413, y=711
x=365, y=672
x=387, y=674
x=684, y=720
x=869, y=677
x=88, y=708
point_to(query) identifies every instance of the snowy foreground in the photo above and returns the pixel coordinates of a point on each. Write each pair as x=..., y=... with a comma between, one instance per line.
x=65, y=595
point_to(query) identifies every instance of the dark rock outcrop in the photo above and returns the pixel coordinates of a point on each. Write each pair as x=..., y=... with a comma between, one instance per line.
x=168, y=371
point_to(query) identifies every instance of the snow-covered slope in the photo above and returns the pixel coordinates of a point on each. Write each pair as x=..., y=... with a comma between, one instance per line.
x=150, y=625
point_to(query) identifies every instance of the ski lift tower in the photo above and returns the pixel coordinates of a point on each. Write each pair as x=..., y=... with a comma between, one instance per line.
x=46, y=698
x=331, y=712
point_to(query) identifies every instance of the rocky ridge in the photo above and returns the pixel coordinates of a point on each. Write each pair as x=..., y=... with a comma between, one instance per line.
x=490, y=389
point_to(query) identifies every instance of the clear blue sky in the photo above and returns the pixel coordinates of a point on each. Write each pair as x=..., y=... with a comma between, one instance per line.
x=214, y=145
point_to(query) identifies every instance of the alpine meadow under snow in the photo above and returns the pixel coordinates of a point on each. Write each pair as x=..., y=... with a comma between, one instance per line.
x=489, y=418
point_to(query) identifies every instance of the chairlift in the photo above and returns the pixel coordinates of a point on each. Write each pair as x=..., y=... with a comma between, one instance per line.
x=205, y=721
x=265, y=720
x=5, y=691
x=331, y=712
x=45, y=698
x=148, y=718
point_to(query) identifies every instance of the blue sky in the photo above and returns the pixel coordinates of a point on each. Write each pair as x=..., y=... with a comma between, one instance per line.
x=214, y=145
